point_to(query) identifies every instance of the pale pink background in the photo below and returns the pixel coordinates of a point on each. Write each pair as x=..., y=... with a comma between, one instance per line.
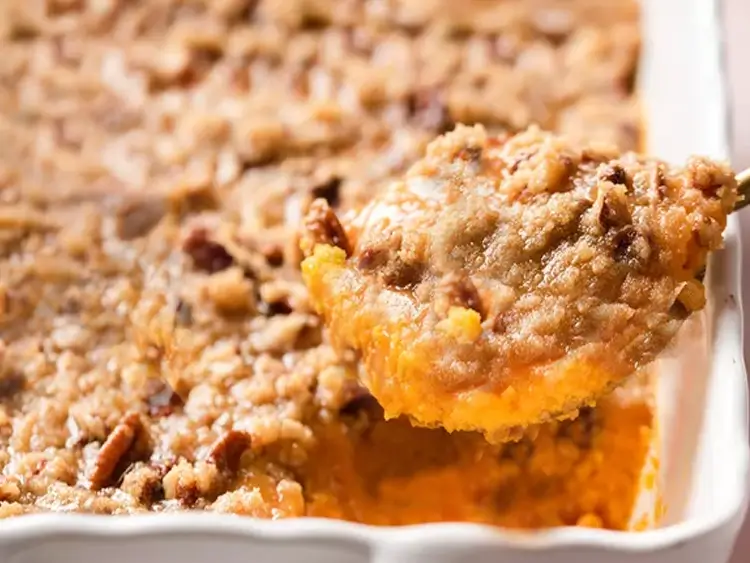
x=736, y=15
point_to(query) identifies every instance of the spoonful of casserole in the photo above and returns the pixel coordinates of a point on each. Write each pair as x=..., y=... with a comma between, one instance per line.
x=508, y=281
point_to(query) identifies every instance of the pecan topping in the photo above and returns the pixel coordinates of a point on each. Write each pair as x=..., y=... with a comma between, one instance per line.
x=378, y=254
x=613, y=173
x=11, y=382
x=631, y=246
x=206, y=254
x=119, y=447
x=457, y=290
x=183, y=313
x=428, y=110
x=614, y=211
x=162, y=399
x=401, y=274
x=144, y=482
x=227, y=451
x=188, y=493
x=273, y=253
x=522, y=156
x=372, y=257
x=321, y=226
x=138, y=216
x=328, y=190
x=471, y=154
x=152, y=491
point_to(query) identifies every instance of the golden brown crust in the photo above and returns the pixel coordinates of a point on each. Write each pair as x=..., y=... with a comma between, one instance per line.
x=531, y=262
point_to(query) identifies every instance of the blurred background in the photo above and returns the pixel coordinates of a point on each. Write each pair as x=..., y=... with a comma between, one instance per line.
x=736, y=19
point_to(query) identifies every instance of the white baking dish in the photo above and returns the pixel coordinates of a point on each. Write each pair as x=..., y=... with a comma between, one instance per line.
x=702, y=405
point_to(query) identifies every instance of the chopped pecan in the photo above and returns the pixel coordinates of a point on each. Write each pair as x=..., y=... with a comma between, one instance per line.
x=614, y=212
x=144, y=482
x=401, y=274
x=206, y=254
x=428, y=110
x=118, y=451
x=280, y=297
x=613, y=173
x=152, y=491
x=372, y=257
x=520, y=158
x=136, y=217
x=395, y=265
x=273, y=253
x=328, y=190
x=471, y=154
x=161, y=398
x=183, y=313
x=191, y=484
x=631, y=246
x=379, y=253
x=227, y=451
x=321, y=226
x=11, y=382
x=457, y=290
x=187, y=493
x=659, y=181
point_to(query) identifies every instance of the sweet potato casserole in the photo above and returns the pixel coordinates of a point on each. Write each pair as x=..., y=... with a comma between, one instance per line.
x=511, y=280
x=158, y=349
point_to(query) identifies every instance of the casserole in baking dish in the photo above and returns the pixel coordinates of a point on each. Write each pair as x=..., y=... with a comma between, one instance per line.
x=183, y=142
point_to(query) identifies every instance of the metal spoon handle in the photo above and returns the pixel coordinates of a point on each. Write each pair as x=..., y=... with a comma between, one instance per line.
x=743, y=188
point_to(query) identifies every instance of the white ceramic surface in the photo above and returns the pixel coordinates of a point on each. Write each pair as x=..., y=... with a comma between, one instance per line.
x=702, y=406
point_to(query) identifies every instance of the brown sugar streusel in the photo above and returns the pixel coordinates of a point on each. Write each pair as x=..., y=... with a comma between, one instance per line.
x=510, y=280
x=157, y=160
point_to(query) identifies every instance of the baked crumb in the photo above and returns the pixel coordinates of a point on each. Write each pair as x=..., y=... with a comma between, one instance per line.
x=155, y=153
x=541, y=275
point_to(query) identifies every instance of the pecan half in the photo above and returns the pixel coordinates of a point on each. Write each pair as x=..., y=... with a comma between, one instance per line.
x=321, y=226
x=118, y=448
x=227, y=451
x=206, y=254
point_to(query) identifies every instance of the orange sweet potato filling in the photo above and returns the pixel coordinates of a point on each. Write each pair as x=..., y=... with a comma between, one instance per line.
x=583, y=472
